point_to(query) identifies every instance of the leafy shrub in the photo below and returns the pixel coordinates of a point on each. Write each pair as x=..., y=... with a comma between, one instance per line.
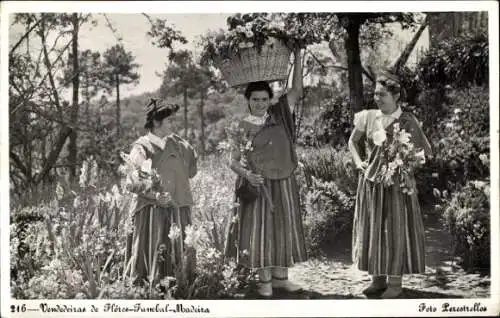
x=468, y=220
x=328, y=190
x=213, y=190
x=458, y=129
x=464, y=136
x=72, y=246
x=328, y=215
x=329, y=164
x=333, y=125
x=459, y=62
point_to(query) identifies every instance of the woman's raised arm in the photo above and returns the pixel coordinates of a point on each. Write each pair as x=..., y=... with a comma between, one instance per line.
x=295, y=92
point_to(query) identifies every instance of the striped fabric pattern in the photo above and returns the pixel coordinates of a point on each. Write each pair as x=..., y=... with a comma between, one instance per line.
x=388, y=229
x=150, y=253
x=261, y=237
x=258, y=236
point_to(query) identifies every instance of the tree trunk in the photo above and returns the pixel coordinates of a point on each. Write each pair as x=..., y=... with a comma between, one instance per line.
x=74, y=109
x=185, y=114
x=202, y=119
x=87, y=99
x=118, y=130
x=410, y=46
x=355, y=69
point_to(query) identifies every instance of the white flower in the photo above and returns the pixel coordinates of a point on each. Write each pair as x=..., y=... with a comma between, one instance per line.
x=146, y=166
x=484, y=159
x=190, y=238
x=249, y=34
x=404, y=137
x=59, y=192
x=94, y=173
x=398, y=161
x=117, y=197
x=242, y=45
x=420, y=156
x=134, y=176
x=457, y=111
x=76, y=203
x=240, y=28
x=107, y=198
x=396, y=127
x=249, y=44
x=379, y=137
x=248, y=25
x=175, y=232
x=84, y=174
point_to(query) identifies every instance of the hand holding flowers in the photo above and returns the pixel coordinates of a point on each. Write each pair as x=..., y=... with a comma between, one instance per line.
x=401, y=159
x=143, y=181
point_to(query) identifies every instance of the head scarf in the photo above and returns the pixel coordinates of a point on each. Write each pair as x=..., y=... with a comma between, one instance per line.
x=159, y=109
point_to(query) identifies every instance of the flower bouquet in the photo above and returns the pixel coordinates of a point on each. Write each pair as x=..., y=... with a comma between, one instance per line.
x=239, y=139
x=401, y=159
x=256, y=47
x=143, y=180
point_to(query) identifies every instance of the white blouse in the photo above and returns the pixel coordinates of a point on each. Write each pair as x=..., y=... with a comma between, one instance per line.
x=137, y=153
x=371, y=120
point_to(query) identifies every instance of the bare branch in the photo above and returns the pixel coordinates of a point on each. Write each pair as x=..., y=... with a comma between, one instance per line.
x=339, y=67
x=112, y=28
x=24, y=37
x=49, y=68
x=18, y=162
x=54, y=153
x=48, y=74
x=148, y=17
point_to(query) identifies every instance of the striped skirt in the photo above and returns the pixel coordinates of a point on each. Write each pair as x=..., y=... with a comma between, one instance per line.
x=150, y=253
x=260, y=237
x=388, y=230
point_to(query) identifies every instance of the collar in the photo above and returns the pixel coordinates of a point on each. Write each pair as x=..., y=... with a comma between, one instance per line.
x=257, y=120
x=155, y=140
x=396, y=114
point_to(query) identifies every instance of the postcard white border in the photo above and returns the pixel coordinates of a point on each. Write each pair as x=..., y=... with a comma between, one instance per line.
x=259, y=308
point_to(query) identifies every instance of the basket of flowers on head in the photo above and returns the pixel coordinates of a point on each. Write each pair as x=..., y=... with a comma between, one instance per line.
x=256, y=47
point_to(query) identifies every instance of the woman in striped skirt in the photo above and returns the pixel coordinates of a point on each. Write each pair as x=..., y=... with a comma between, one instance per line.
x=261, y=237
x=388, y=231
x=155, y=248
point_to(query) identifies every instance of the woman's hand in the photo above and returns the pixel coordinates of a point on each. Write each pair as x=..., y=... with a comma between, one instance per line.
x=164, y=201
x=362, y=166
x=255, y=179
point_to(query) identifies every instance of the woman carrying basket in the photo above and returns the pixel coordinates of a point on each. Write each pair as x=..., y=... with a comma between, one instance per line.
x=266, y=231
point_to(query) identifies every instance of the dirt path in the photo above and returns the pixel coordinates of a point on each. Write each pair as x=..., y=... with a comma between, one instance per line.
x=336, y=278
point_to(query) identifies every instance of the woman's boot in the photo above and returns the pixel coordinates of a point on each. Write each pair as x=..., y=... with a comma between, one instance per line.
x=394, y=287
x=265, y=279
x=280, y=280
x=377, y=287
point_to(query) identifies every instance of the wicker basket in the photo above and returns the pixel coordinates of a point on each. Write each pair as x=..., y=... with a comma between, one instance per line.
x=250, y=66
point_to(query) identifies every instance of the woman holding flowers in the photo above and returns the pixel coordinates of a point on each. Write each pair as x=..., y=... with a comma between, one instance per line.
x=160, y=214
x=388, y=231
x=266, y=231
